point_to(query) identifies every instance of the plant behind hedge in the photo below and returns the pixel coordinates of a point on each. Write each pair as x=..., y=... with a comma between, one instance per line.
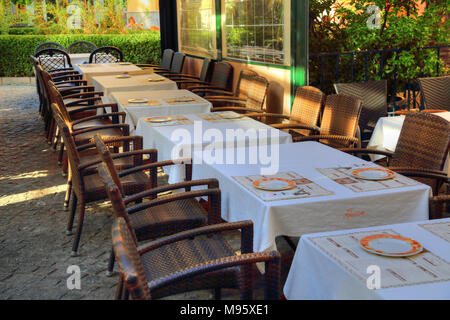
x=15, y=50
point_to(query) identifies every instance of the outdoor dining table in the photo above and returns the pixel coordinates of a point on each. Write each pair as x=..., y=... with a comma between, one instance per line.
x=159, y=103
x=387, y=130
x=117, y=83
x=79, y=58
x=333, y=265
x=326, y=196
x=103, y=69
x=210, y=132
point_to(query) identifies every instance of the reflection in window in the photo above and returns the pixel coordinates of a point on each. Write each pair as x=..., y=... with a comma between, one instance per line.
x=256, y=30
x=197, y=27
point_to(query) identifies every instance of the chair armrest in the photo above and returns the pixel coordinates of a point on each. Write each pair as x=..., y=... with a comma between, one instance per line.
x=329, y=137
x=183, y=76
x=82, y=94
x=82, y=102
x=123, y=126
x=237, y=109
x=200, y=89
x=99, y=116
x=77, y=88
x=367, y=151
x=114, y=107
x=80, y=82
x=191, y=81
x=114, y=156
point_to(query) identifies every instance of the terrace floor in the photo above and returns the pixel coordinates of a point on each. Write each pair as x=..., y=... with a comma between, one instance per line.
x=34, y=250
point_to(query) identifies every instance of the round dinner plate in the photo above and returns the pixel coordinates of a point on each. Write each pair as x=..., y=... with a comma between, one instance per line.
x=124, y=63
x=231, y=116
x=184, y=99
x=160, y=119
x=373, y=174
x=274, y=184
x=391, y=245
x=138, y=100
x=123, y=76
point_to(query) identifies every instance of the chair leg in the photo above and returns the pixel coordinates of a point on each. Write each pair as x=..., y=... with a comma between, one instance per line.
x=76, y=241
x=61, y=153
x=217, y=293
x=112, y=259
x=119, y=289
x=56, y=138
x=64, y=164
x=68, y=193
x=73, y=208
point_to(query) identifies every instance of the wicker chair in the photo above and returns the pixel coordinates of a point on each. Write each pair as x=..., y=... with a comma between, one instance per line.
x=52, y=59
x=421, y=150
x=163, y=218
x=254, y=101
x=106, y=55
x=339, y=124
x=166, y=61
x=221, y=78
x=176, y=67
x=305, y=111
x=81, y=47
x=207, y=261
x=242, y=88
x=48, y=45
x=374, y=97
x=435, y=92
x=205, y=74
x=84, y=186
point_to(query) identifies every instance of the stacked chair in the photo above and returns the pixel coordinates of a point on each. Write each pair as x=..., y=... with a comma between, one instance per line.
x=106, y=55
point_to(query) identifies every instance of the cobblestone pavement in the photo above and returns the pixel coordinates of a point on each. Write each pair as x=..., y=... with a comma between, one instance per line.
x=34, y=250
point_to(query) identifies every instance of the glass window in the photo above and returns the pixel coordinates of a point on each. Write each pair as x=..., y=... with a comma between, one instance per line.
x=197, y=27
x=257, y=30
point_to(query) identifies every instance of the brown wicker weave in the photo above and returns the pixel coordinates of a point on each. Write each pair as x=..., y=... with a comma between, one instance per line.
x=84, y=186
x=166, y=215
x=221, y=78
x=191, y=260
x=435, y=92
x=339, y=122
x=254, y=102
x=422, y=149
x=166, y=61
x=305, y=111
x=374, y=97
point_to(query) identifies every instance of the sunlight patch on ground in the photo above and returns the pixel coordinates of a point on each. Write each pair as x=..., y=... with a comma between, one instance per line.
x=34, y=174
x=31, y=195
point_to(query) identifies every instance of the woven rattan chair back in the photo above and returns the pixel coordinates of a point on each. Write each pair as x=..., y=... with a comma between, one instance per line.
x=106, y=55
x=340, y=117
x=222, y=75
x=39, y=88
x=374, y=100
x=307, y=105
x=423, y=142
x=244, y=83
x=129, y=261
x=166, y=61
x=53, y=59
x=435, y=92
x=81, y=47
x=48, y=45
x=205, y=72
x=55, y=97
x=72, y=153
x=257, y=93
x=178, y=62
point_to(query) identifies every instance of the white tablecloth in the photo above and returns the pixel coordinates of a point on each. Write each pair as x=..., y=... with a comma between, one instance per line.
x=316, y=275
x=109, y=84
x=315, y=214
x=103, y=69
x=164, y=108
x=387, y=130
x=79, y=58
x=167, y=138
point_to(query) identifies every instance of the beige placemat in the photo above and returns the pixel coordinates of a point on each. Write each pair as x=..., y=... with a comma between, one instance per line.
x=304, y=188
x=439, y=229
x=150, y=80
x=343, y=176
x=215, y=117
x=182, y=100
x=174, y=121
x=425, y=267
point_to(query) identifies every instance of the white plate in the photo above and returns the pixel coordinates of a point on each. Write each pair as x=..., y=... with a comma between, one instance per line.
x=373, y=174
x=274, y=184
x=391, y=245
x=138, y=100
x=231, y=116
x=161, y=119
x=124, y=63
x=123, y=76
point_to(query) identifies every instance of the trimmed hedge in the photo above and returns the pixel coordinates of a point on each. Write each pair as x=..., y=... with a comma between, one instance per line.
x=15, y=50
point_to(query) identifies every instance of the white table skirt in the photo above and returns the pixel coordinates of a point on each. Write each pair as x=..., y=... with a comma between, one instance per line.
x=316, y=275
x=315, y=214
x=166, y=139
x=136, y=111
x=103, y=69
x=110, y=83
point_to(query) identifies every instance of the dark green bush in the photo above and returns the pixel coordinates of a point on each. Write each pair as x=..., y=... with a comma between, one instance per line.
x=15, y=50
x=22, y=30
